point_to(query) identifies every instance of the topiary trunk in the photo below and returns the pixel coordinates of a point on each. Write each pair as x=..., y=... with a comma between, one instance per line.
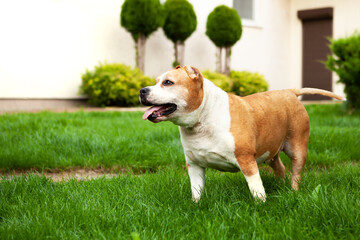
x=220, y=67
x=140, y=52
x=176, y=53
x=218, y=60
x=227, y=61
x=179, y=48
x=182, y=53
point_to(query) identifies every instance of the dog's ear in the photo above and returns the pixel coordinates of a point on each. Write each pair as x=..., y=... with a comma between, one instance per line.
x=177, y=67
x=193, y=73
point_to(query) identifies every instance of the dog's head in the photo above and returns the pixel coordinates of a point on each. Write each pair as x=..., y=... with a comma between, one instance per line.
x=176, y=93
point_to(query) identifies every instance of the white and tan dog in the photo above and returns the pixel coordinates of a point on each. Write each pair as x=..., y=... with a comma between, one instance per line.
x=231, y=133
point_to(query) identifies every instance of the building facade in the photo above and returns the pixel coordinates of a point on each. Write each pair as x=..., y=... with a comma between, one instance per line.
x=46, y=45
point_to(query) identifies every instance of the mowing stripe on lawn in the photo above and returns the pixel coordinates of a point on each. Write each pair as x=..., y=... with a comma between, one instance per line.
x=159, y=206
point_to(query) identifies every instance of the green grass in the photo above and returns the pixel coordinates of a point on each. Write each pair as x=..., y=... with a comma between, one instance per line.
x=90, y=139
x=159, y=206
x=107, y=139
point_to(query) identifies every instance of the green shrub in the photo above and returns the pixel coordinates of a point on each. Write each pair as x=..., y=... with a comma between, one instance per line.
x=219, y=79
x=245, y=83
x=180, y=23
x=141, y=16
x=345, y=62
x=180, y=20
x=241, y=83
x=114, y=84
x=223, y=26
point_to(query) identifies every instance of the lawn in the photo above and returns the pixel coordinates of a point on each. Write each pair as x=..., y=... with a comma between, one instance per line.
x=157, y=205
x=88, y=139
x=91, y=139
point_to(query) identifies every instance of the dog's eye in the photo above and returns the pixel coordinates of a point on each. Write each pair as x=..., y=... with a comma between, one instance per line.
x=167, y=83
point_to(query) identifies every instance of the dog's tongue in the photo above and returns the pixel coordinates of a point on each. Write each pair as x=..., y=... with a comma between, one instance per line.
x=149, y=111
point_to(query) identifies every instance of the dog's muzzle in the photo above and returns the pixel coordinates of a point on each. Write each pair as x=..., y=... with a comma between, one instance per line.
x=144, y=93
x=157, y=112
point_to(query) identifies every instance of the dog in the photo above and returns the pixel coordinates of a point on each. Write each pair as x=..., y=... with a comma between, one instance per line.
x=231, y=133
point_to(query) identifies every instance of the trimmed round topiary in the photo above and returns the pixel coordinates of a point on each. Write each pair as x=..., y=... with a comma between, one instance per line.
x=180, y=20
x=114, y=85
x=141, y=16
x=223, y=26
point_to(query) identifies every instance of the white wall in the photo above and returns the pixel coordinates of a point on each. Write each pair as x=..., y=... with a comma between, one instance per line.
x=265, y=48
x=45, y=45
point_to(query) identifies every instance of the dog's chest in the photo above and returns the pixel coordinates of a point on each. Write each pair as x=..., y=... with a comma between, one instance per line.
x=211, y=151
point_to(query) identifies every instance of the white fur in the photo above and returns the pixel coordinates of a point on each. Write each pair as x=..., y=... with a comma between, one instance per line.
x=162, y=95
x=197, y=181
x=256, y=187
x=206, y=139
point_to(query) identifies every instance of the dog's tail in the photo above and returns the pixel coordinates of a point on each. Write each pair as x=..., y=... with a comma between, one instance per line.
x=312, y=91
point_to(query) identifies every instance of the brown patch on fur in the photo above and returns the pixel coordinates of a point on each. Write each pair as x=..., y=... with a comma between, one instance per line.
x=192, y=80
x=262, y=122
x=242, y=130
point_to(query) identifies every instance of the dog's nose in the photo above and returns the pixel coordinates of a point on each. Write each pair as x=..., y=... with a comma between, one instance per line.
x=144, y=91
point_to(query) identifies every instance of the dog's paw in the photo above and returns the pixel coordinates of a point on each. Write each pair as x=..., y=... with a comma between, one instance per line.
x=196, y=200
x=259, y=196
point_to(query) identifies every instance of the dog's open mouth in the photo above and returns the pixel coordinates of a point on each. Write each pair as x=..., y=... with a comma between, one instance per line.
x=159, y=111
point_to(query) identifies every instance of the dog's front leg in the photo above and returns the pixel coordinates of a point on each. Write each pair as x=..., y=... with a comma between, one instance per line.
x=256, y=186
x=197, y=180
x=250, y=170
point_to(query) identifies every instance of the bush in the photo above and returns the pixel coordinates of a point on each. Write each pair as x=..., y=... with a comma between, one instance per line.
x=245, y=83
x=240, y=83
x=141, y=16
x=223, y=26
x=180, y=20
x=345, y=62
x=114, y=84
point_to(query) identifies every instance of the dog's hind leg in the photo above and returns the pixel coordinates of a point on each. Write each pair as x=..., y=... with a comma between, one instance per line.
x=277, y=166
x=296, y=143
x=296, y=149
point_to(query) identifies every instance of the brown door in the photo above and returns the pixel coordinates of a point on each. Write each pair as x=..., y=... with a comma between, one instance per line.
x=316, y=29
